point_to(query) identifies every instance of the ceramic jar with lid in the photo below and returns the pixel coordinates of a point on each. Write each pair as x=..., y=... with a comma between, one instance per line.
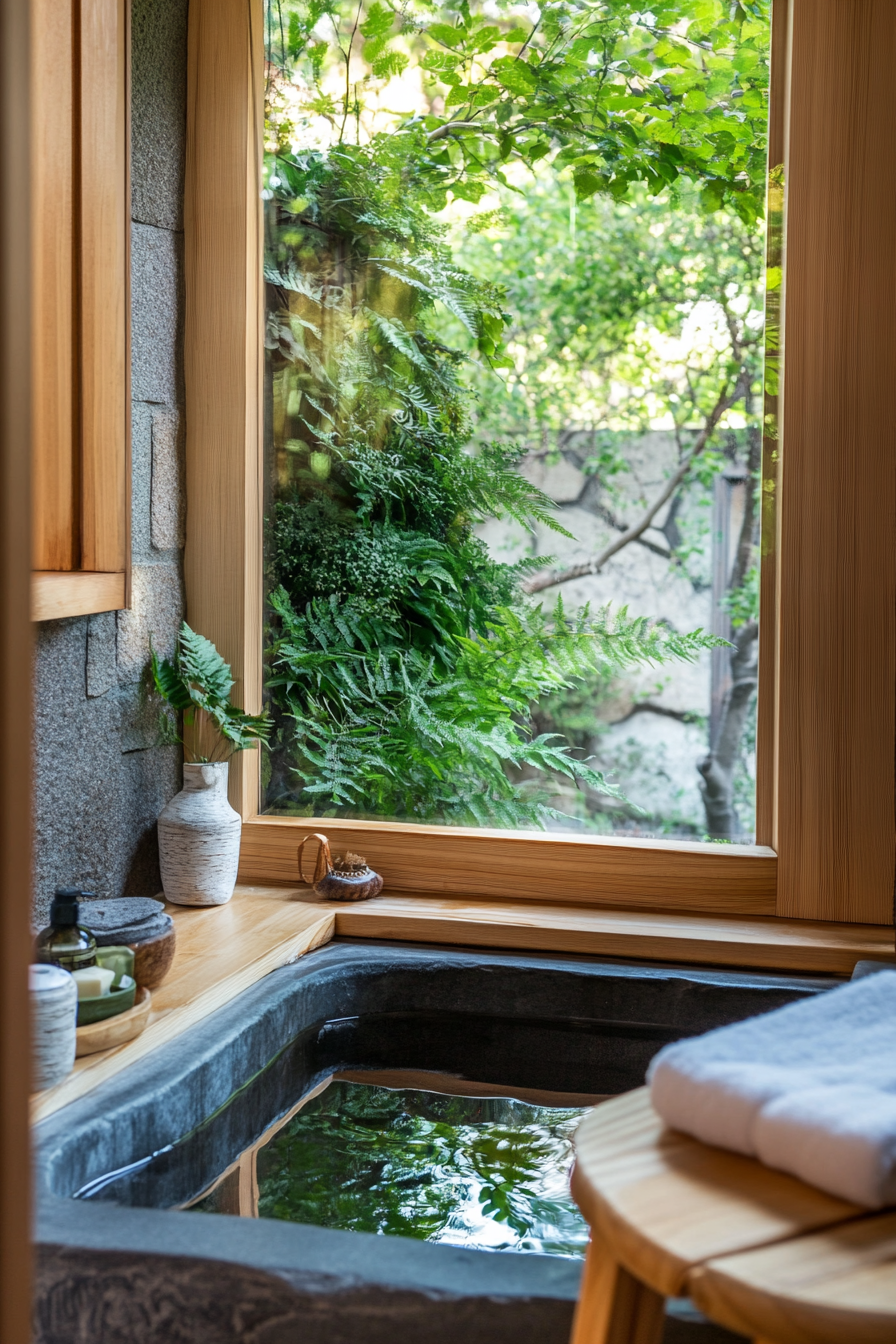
x=140, y=924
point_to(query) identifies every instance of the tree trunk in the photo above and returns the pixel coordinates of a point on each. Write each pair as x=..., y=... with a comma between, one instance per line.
x=719, y=766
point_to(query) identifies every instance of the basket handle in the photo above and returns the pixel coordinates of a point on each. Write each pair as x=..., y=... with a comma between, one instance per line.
x=324, y=863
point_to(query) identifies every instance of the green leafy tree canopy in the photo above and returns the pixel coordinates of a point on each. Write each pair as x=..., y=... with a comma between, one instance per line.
x=618, y=92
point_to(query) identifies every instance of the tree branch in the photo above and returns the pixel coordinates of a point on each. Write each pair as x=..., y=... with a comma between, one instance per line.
x=450, y=127
x=647, y=707
x=348, y=65
x=585, y=500
x=593, y=566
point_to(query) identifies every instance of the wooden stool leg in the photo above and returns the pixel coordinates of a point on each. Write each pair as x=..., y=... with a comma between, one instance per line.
x=249, y=1183
x=614, y=1307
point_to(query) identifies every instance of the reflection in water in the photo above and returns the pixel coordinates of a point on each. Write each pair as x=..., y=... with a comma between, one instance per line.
x=489, y=1173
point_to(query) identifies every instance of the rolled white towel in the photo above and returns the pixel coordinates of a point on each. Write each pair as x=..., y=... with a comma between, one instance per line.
x=809, y=1089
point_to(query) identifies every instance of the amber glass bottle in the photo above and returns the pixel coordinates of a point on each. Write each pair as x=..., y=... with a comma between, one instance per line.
x=65, y=942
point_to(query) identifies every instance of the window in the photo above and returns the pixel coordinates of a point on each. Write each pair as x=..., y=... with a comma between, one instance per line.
x=514, y=270
x=81, y=433
x=826, y=731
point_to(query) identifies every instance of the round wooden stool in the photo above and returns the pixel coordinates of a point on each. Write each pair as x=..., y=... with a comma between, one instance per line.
x=836, y=1287
x=668, y=1214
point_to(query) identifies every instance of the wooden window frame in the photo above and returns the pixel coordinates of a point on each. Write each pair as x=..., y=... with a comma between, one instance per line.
x=827, y=717
x=80, y=195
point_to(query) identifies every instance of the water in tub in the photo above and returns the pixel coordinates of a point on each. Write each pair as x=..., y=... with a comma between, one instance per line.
x=490, y=1173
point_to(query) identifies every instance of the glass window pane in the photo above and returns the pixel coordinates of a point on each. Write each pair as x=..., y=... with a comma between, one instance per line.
x=515, y=272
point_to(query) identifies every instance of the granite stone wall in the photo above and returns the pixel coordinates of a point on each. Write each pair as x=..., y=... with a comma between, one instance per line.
x=101, y=776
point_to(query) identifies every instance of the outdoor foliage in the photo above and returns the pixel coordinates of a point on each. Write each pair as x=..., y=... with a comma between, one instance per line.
x=404, y=660
x=600, y=294
x=390, y=725
x=197, y=685
x=616, y=92
x=626, y=315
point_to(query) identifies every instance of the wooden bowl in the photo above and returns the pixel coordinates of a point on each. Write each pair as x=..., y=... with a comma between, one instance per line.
x=115, y=1030
x=153, y=958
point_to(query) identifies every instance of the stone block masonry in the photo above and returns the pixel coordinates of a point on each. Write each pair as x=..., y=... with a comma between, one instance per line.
x=101, y=773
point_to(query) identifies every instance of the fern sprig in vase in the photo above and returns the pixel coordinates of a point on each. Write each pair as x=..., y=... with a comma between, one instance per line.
x=199, y=832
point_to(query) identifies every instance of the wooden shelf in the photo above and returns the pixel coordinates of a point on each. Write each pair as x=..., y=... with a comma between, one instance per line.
x=58, y=593
x=221, y=951
x=773, y=944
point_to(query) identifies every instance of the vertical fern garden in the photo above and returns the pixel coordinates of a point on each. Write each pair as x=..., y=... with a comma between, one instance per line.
x=405, y=662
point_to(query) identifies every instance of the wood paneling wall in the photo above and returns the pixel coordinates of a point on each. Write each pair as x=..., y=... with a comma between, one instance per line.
x=836, y=654
x=15, y=674
x=104, y=325
x=223, y=345
x=56, y=532
x=81, y=328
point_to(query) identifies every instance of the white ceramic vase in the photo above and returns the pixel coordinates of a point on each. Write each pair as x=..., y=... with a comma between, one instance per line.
x=199, y=839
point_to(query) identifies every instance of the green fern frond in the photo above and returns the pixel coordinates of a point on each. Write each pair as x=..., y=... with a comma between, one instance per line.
x=200, y=679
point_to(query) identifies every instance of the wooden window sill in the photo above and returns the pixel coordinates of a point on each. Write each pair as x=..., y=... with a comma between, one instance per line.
x=520, y=866
x=57, y=593
x=224, y=950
